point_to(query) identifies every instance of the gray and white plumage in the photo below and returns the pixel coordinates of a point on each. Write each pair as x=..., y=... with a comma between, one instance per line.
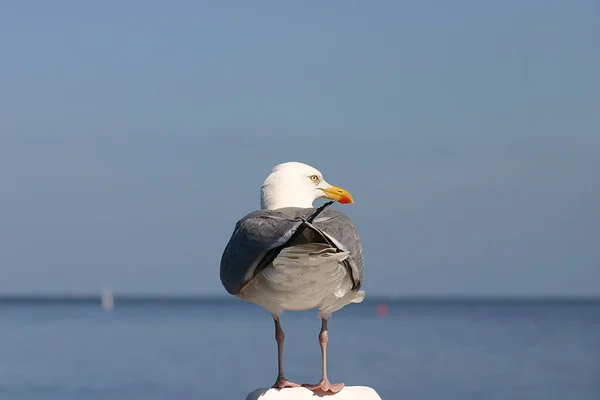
x=321, y=268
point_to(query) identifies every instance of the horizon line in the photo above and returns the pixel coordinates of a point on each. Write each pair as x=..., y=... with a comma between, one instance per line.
x=196, y=297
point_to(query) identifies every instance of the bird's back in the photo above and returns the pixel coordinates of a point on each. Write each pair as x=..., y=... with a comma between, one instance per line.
x=263, y=230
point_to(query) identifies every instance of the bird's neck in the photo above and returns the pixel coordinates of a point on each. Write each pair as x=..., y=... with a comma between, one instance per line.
x=271, y=199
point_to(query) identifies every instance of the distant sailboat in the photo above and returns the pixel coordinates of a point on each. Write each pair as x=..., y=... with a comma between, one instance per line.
x=108, y=300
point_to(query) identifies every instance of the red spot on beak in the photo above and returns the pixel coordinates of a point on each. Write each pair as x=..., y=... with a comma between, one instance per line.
x=344, y=200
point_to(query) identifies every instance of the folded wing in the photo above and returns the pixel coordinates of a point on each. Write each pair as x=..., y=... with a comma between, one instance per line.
x=260, y=235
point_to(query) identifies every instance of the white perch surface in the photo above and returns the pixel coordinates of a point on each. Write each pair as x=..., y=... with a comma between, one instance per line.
x=300, y=393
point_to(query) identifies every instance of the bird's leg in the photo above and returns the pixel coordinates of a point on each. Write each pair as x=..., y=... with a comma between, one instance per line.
x=324, y=385
x=281, y=382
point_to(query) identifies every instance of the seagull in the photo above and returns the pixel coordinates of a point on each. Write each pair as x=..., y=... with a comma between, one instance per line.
x=291, y=256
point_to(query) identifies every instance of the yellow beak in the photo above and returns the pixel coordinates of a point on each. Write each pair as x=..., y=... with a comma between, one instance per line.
x=338, y=194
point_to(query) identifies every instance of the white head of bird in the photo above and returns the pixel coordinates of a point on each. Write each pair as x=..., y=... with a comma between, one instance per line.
x=294, y=184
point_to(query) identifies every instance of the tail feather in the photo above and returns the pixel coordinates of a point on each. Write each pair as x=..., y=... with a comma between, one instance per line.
x=309, y=252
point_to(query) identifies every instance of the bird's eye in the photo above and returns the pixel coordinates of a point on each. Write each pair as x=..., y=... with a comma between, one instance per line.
x=314, y=178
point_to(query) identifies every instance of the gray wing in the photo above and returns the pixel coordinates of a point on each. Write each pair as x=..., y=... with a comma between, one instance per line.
x=265, y=230
x=253, y=236
x=341, y=230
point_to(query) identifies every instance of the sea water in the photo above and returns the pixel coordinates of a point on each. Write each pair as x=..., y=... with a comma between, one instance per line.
x=417, y=350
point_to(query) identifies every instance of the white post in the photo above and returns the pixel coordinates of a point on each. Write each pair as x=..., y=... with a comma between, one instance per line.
x=300, y=393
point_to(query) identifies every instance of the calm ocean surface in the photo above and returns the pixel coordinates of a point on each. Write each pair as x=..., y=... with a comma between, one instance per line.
x=223, y=350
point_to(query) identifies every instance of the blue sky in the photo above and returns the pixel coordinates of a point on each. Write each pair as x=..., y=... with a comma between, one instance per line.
x=134, y=134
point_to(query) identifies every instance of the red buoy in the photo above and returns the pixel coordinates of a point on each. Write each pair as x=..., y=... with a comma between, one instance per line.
x=382, y=310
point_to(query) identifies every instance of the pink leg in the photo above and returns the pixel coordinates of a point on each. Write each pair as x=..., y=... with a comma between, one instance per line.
x=281, y=382
x=324, y=385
